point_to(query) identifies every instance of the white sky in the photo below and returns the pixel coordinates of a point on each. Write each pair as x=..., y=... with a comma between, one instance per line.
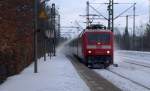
x=71, y=9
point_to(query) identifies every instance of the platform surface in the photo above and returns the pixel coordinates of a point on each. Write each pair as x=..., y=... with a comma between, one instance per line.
x=92, y=79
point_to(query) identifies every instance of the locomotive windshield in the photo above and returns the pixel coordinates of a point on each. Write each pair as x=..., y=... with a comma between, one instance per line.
x=102, y=38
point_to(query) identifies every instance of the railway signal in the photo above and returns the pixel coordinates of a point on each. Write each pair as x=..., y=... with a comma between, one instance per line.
x=37, y=14
x=47, y=23
x=43, y=14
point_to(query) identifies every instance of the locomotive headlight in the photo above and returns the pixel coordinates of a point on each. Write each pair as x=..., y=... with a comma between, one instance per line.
x=99, y=43
x=89, y=52
x=108, y=52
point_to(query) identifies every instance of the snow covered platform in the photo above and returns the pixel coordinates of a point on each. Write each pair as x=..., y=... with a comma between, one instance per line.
x=95, y=81
x=57, y=74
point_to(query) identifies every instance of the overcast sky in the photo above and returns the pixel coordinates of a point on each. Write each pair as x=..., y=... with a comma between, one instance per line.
x=71, y=9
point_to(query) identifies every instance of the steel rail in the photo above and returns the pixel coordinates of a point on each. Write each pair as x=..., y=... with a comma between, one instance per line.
x=139, y=84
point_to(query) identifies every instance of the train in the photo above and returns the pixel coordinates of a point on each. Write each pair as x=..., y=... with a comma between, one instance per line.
x=94, y=46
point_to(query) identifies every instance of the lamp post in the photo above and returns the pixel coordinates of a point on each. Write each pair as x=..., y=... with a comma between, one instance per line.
x=35, y=34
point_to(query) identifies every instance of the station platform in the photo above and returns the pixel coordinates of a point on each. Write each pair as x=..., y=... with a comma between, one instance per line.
x=94, y=81
x=57, y=74
x=54, y=74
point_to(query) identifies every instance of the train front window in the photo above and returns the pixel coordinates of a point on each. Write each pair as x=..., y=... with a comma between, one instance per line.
x=102, y=38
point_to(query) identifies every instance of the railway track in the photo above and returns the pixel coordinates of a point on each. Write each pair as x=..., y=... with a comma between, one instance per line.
x=139, y=84
x=115, y=73
x=136, y=62
x=139, y=64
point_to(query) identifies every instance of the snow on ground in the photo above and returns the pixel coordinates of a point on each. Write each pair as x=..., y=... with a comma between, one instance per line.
x=121, y=83
x=135, y=55
x=57, y=74
x=136, y=73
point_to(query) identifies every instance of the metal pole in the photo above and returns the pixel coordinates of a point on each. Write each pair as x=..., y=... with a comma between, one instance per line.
x=134, y=25
x=112, y=20
x=127, y=22
x=112, y=15
x=88, y=11
x=53, y=6
x=35, y=34
x=109, y=5
x=44, y=49
x=59, y=27
x=149, y=11
x=51, y=31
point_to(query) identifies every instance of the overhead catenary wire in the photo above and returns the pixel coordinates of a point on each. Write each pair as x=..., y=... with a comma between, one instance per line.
x=98, y=12
x=79, y=26
x=123, y=12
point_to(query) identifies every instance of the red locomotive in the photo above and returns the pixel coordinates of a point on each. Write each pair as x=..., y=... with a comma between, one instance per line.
x=94, y=46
